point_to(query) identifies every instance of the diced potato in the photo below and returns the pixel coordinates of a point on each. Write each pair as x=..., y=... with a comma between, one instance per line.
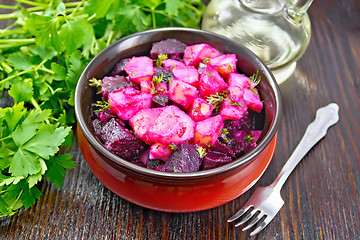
x=160, y=151
x=233, y=111
x=207, y=131
x=188, y=74
x=143, y=120
x=182, y=93
x=253, y=100
x=236, y=94
x=126, y=102
x=149, y=87
x=194, y=54
x=225, y=64
x=139, y=69
x=200, y=110
x=146, y=86
x=238, y=80
x=211, y=82
x=256, y=135
x=173, y=126
x=171, y=64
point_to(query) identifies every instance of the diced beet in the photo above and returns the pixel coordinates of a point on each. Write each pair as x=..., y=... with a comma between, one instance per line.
x=110, y=84
x=143, y=120
x=160, y=151
x=121, y=141
x=200, y=110
x=173, y=48
x=229, y=110
x=219, y=147
x=188, y=74
x=105, y=115
x=207, y=131
x=126, y=102
x=172, y=126
x=97, y=125
x=149, y=163
x=182, y=93
x=238, y=80
x=184, y=159
x=119, y=67
x=225, y=64
x=211, y=82
x=233, y=126
x=252, y=99
x=160, y=100
x=165, y=74
x=171, y=64
x=145, y=156
x=154, y=163
x=215, y=159
x=240, y=143
x=139, y=69
x=196, y=53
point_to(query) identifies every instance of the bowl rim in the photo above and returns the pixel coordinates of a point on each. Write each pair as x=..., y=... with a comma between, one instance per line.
x=239, y=162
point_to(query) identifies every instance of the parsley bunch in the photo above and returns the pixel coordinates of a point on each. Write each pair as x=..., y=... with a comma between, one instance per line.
x=42, y=55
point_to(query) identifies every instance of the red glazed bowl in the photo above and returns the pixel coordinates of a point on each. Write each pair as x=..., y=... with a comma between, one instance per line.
x=176, y=192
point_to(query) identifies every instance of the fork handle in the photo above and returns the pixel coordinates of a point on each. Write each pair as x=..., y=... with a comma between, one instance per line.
x=325, y=118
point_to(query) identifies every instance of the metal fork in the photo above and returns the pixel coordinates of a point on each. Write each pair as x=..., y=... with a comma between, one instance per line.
x=266, y=202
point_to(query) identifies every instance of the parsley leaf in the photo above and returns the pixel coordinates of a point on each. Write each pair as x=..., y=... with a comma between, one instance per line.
x=42, y=57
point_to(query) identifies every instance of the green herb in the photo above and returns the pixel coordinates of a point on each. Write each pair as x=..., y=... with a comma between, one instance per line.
x=42, y=55
x=255, y=78
x=202, y=151
x=217, y=99
x=158, y=79
x=233, y=103
x=96, y=83
x=175, y=169
x=223, y=133
x=29, y=141
x=249, y=138
x=161, y=57
x=101, y=105
x=209, y=74
x=206, y=60
x=172, y=146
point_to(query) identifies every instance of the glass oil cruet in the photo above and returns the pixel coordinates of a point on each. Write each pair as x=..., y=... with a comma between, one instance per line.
x=278, y=31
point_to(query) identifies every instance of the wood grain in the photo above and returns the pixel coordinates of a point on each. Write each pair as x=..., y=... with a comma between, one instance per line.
x=321, y=196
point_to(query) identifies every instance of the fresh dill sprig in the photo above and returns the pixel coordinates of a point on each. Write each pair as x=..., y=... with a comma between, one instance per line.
x=202, y=151
x=223, y=133
x=161, y=57
x=102, y=105
x=172, y=146
x=217, y=99
x=255, y=78
x=96, y=83
x=249, y=138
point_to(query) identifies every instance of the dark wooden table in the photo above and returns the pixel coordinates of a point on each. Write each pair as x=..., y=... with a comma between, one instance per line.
x=322, y=196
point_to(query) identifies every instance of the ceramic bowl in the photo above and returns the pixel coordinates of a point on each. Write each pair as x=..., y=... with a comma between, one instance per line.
x=176, y=192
